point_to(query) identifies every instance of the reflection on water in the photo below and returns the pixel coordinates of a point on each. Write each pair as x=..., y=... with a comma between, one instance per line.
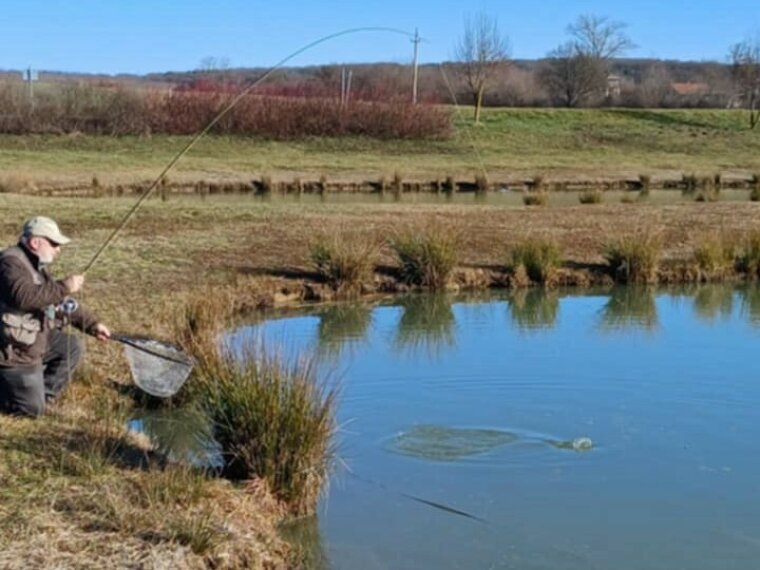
x=630, y=308
x=750, y=303
x=534, y=308
x=183, y=435
x=342, y=326
x=427, y=324
x=305, y=538
x=713, y=302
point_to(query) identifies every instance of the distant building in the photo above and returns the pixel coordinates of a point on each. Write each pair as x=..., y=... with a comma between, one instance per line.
x=690, y=88
x=613, y=86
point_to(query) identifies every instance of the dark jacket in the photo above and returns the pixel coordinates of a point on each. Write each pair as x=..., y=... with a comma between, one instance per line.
x=27, y=288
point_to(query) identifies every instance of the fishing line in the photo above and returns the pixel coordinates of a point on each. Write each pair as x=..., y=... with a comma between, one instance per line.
x=457, y=107
x=417, y=499
x=235, y=100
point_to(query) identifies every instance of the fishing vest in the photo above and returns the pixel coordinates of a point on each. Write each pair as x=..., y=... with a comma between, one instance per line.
x=19, y=328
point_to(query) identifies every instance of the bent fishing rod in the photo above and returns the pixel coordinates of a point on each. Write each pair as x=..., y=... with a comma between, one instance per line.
x=235, y=100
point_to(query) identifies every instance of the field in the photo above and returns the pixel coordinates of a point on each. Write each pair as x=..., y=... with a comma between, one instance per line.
x=76, y=480
x=514, y=143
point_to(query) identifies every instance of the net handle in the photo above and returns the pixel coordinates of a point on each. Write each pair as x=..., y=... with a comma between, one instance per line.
x=129, y=341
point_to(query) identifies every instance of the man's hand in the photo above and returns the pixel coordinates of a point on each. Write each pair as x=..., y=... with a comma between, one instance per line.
x=101, y=332
x=74, y=283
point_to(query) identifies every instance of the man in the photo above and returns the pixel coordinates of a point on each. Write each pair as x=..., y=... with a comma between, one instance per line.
x=36, y=357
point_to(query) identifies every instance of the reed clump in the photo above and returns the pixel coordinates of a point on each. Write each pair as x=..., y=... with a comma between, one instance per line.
x=591, y=197
x=634, y=258
x=427, y=256
x=274, y=420
x=538, y=257
x=714, y=256
x=748, y=257
x=343, y=261
x=536, y=198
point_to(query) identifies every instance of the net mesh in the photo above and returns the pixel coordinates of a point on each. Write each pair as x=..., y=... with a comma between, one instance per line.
x=158, y=368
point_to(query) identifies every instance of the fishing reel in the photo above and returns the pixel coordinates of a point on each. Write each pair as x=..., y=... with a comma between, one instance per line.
x=68, y=306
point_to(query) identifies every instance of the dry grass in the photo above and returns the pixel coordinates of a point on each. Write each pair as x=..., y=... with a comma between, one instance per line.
x=346, y=261
x=634, y=258
x=591, y=197
x=714, y=255
x=232, y=249
x=536, y=198
x=427, y=256
x=274, y=419
x=538, y=257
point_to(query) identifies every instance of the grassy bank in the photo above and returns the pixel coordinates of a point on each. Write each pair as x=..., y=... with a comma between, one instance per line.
x=556, y=143
x=89, y=491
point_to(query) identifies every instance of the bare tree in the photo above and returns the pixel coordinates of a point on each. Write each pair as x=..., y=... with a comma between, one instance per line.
x=482, y=50
x=577, y=70
x=745, y=59
x=572, y=78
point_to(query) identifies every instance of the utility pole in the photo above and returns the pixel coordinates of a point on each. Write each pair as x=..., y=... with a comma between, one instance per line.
x=30, y=76
x=416, y=42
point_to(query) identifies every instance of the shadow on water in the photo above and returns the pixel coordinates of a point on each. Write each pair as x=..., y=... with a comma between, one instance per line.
x=342, y=327
x=427, y=324
x=630, y=307
x=535, y=308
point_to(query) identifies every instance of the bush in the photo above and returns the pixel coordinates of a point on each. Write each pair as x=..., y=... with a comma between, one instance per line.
x=748, y=259
x=274, y=420
x=344, y=262
x=536, y=198
x=634, y=259
x=591, y=197
x=713, y=255
x=427, y=256
x=96, y=110
x=539, y=257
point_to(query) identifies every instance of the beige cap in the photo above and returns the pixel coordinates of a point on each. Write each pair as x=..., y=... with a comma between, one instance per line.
x=41, y=226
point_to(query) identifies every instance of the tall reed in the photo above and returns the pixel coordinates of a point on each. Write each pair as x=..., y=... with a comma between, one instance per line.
x=748, y=258
x=536, y=198
x=713, y=255
x=274, y=419
x=427, y=256
x=634, y=258
x=538, y=256
x=344, y=261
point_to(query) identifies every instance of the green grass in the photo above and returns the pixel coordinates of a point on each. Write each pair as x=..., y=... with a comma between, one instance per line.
x=533, y=141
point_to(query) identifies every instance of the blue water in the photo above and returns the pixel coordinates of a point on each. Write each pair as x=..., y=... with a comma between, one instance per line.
x=666, y=384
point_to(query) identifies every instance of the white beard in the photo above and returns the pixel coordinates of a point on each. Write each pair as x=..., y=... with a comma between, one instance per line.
x=45, y=259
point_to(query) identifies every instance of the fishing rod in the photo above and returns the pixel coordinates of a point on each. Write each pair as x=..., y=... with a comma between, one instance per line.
x=235, y=100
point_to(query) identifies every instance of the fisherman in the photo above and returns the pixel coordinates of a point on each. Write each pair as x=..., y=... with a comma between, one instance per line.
x=37, y=358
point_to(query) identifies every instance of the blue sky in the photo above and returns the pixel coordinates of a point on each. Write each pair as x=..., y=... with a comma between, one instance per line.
x=140, y=36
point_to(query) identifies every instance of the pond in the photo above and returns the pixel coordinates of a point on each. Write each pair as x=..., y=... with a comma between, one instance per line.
x=454, y=401
x=540, y=429
x=504, y=198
